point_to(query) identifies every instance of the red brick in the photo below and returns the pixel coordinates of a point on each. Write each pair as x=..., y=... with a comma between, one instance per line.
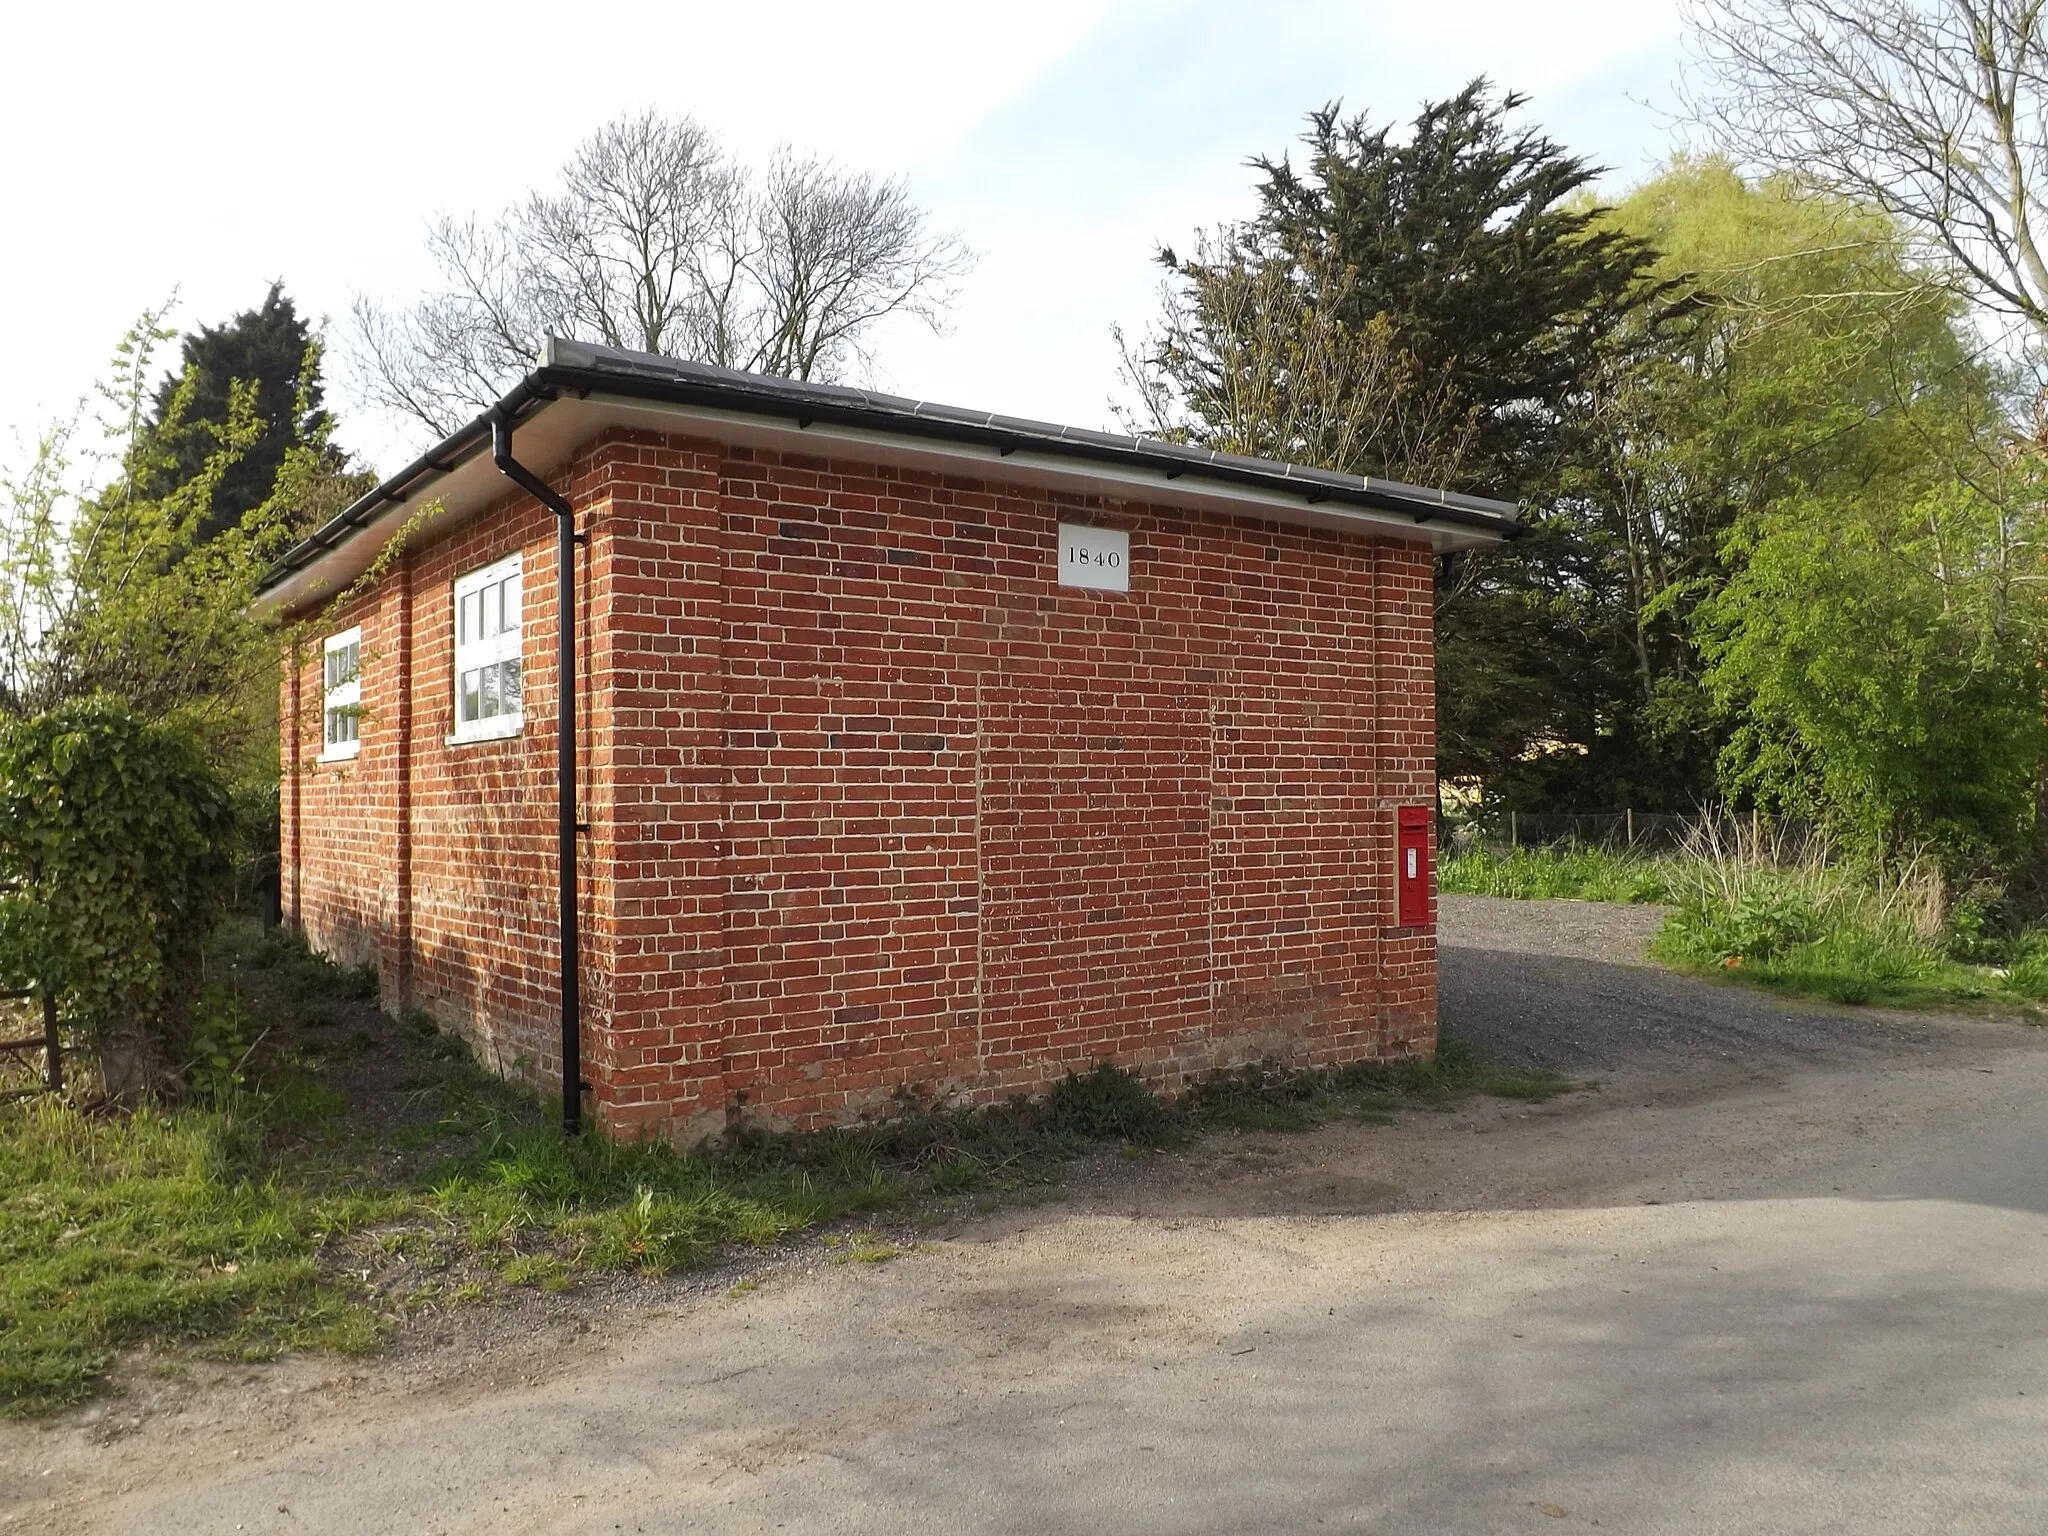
x=862, y=824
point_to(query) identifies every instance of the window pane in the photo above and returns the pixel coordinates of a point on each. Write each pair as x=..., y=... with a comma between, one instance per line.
x=355, y=661
x=348, y=724
x=508, y=685
x=468, y=710
x=333, y=720
x=490, y=694
x=511, y=602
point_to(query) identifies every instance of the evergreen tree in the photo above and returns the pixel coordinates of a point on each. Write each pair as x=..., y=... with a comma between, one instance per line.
x=264, y=350
x=1475, y=243
x=1435, y=309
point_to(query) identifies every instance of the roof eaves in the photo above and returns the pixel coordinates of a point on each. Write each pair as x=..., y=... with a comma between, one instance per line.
x=809, y=403
x=584, y=370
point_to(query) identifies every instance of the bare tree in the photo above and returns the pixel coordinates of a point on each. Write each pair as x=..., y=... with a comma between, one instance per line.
x=1934, y=110
x=657, y=241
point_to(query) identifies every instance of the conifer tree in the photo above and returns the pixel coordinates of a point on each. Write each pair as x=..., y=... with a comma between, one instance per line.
x=264, y=350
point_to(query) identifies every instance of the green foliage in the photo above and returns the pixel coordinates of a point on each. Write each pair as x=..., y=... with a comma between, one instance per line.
x=1579, y=874
x=254, y=379
x=2028, y=974
x=121, y=570
x=1881, y=647
x=1467, y=239
x=1108, y=1104
x=1819, y=927
x=222, y=1038
x=1771, y=917
x=113, y=868
x=1432, y=308
x=154, y=1225
x=1826, y=523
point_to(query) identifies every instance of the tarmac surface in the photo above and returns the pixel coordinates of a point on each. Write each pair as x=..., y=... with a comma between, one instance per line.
x=1779, y=1270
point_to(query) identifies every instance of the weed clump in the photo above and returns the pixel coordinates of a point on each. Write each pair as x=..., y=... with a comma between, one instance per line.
x=1797, y=920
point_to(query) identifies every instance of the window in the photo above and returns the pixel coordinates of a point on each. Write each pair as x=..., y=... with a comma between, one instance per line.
x=341, y=715
x=487, y=652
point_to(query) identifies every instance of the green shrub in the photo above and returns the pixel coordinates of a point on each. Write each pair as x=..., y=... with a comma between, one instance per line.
x=115, y=838
x=1771, y=917
x=1802, y=922
x=1109, y=1104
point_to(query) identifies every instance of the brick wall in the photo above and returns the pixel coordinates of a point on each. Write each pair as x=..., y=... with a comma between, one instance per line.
x=432, y=860
x=875, y=805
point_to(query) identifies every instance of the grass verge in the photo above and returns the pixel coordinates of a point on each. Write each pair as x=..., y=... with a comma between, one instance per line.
x=1751, y=909
x=1805, y=924
x=1541, y=874
x=339, y=1172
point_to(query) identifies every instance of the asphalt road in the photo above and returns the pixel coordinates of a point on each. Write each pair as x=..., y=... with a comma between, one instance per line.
x=1800, y=1294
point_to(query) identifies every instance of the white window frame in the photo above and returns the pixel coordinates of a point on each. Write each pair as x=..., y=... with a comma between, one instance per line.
x=341, y=718
x=475, y=652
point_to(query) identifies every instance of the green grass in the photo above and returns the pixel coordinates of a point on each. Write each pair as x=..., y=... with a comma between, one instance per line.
x=1810, y=926
x=1840, y=953
x=1750, y=909
x=161, y=1226
x=345, y=1171
x=1580, y=874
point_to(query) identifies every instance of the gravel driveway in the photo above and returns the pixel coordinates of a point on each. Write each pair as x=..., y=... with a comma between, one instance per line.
x=1781, y=1271
x=1564, y=985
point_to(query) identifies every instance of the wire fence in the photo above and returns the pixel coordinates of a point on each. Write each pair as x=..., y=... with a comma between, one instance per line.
x=1627, y=831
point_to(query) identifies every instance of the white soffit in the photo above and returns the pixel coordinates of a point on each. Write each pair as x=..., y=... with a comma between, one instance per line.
x=546, y=440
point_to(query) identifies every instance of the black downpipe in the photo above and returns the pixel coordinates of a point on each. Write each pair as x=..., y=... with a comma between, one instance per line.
x=565, y=759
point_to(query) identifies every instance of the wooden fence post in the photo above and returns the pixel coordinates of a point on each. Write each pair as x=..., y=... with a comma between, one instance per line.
x=53, y=1044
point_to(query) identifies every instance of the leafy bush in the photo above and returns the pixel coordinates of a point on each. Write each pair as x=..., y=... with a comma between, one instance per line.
x=115, y=838
x=1801, y=921
x=1770, y=917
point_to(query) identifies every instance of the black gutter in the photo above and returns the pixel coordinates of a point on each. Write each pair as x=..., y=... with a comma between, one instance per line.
x=807, y=405
x=565, y=758
x=449, y=454
x=639, y=376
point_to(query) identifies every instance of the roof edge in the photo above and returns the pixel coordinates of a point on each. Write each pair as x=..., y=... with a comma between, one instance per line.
x=583, y=370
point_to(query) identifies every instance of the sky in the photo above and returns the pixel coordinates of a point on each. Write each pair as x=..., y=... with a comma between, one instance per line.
x=206, y=149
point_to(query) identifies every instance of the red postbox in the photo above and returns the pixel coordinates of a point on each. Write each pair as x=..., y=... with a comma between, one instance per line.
x=1411, y=873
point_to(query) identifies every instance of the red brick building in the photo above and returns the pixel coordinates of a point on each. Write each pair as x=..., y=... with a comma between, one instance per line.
x=914, y=749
